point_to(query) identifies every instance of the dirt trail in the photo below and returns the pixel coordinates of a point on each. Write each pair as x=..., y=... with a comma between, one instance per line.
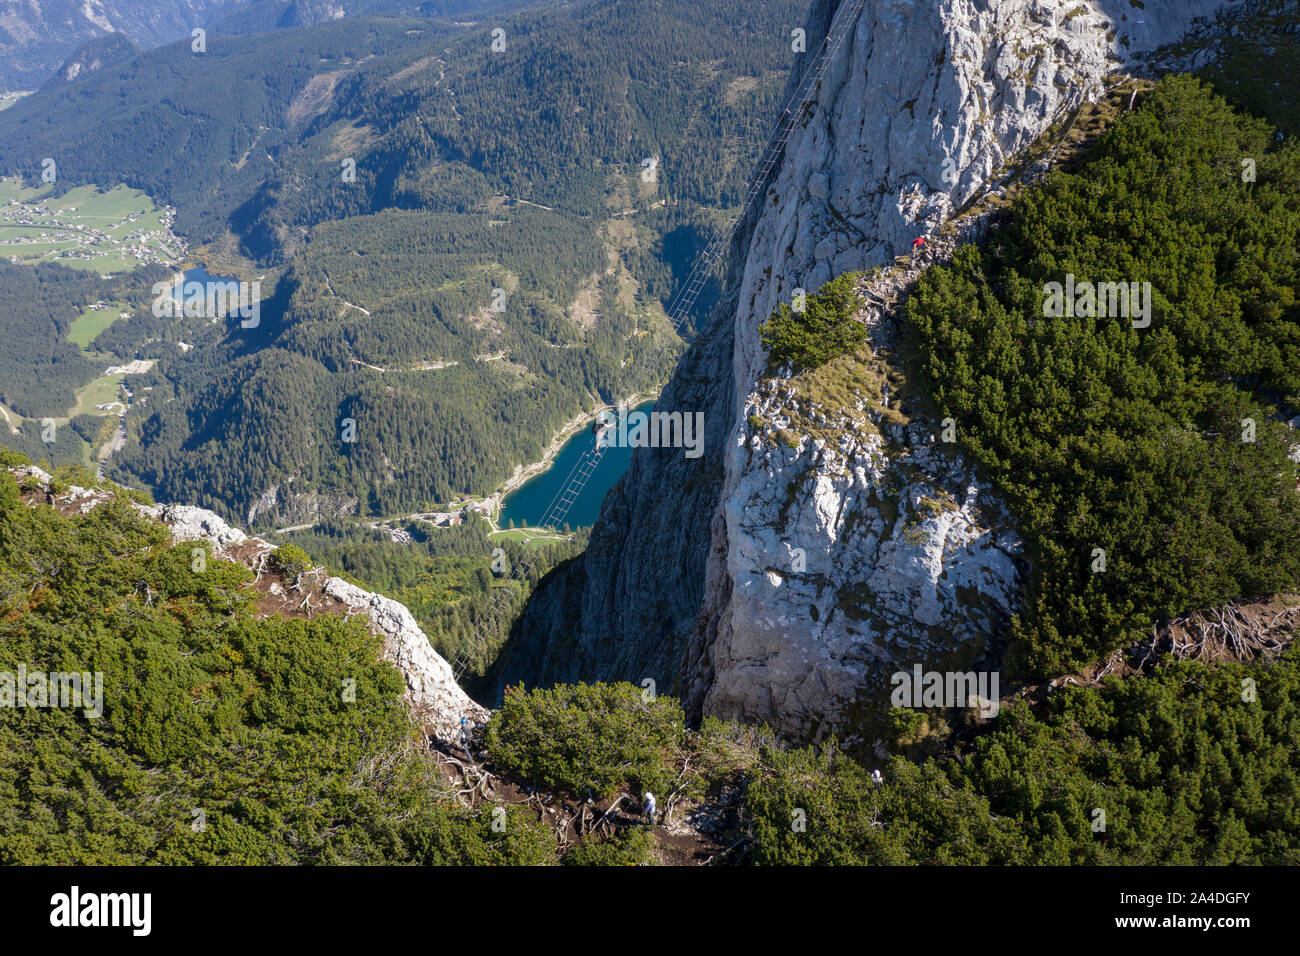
x=680, y=835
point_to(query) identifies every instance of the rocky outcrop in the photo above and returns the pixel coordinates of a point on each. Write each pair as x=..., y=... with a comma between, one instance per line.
x=188, y=523
x=822, y=563
x=91, y=57
x=432, y=696
x=283, y=505
x=306, y=13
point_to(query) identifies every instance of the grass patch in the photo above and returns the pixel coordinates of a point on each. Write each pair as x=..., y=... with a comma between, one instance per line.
x=102, y=391
x=87, y=326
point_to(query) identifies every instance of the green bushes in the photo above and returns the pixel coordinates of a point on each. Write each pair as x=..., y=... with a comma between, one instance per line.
x=824, y=329
x=291, y=560
x=1157, y=446
x=633, y=847
x=443, y=836
x=587, y=738
x=818, y=807
x=79, y=475
x=1191, y=764
x=287, y=734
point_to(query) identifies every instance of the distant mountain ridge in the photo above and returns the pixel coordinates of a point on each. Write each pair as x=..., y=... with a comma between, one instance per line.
x=35, y=38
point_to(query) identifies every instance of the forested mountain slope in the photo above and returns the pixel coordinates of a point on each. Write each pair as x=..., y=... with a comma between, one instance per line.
x=496, y=265
x=182, y=125
x=91, y=57
x=35, y=37
x=549, y=113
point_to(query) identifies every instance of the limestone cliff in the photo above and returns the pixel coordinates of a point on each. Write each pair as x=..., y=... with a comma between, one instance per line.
x=824, y=539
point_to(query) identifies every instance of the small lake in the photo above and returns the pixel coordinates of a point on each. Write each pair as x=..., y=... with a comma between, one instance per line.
x=198, y=275
x=529, y=503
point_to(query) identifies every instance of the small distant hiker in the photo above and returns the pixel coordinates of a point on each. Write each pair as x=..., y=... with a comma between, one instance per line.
x=918, y=247
x=649, y=807
x=466, y=733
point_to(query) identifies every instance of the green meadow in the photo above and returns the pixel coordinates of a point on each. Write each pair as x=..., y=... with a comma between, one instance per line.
x=87, y=326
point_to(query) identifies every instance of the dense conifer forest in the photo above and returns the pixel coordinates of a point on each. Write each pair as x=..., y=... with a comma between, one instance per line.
x=1164, y=446
x=463, y=257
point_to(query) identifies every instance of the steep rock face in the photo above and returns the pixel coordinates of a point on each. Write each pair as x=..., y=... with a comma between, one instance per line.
x=854, y=542
x=905, y=557
x=305, y=13
x=432, y=694
x=288, y=507
x=625, y=608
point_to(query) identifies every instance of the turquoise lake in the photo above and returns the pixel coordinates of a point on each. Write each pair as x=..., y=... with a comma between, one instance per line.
x=528, y=504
